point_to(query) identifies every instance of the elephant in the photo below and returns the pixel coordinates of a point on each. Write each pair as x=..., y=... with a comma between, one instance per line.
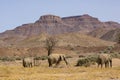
x=104, y=59
x=56, y=59
x=28, y=62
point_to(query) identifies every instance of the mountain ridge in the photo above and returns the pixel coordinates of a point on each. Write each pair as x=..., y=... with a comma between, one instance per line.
x=54, y=25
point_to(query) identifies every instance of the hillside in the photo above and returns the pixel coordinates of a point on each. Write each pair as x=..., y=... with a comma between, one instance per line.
x=53, y=25
x=99, y=32
x=67, y=39
x=111, y=35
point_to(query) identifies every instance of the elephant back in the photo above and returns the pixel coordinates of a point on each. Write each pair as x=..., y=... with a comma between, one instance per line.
x=104, y=57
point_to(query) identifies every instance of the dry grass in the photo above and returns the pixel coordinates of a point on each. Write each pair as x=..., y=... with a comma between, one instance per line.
x=43, y=72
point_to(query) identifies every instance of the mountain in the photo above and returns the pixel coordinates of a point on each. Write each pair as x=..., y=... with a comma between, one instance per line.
x=99, y=32
x=52, y=24
x=55, y=25
x=111, y=35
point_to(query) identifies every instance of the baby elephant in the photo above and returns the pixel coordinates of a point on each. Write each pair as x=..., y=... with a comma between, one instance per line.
x=56, y=59
x=104, y=59
x=28, y=62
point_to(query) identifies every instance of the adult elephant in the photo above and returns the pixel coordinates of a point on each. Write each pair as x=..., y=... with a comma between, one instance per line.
x=104, y=59
x=28, y=62
x=56, y=59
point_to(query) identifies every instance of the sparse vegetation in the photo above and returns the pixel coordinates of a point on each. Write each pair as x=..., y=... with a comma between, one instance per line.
x=87, y=61
x=109, y=49
x=115, y=55
x=6, y=58
x=44, y=57
x=83, y=62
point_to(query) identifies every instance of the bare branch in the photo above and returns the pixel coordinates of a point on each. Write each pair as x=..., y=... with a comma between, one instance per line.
x=50, y=43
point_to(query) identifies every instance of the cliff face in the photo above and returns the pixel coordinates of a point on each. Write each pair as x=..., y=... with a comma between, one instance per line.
x=84, y=22
x=46, y=24
x=52, y=24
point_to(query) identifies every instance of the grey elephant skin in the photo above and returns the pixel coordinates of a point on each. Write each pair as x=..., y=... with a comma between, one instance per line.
x=104, y=59
x=56, y=59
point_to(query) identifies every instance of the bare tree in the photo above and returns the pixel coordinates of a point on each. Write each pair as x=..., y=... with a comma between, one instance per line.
x=50, y=43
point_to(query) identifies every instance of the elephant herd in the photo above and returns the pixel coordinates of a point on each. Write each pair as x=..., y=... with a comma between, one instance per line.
x=102, y=59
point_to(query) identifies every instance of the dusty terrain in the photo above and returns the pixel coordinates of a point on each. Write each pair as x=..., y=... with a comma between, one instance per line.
x=15, y=71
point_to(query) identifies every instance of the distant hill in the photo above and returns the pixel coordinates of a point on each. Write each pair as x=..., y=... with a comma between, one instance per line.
x=111, y=35
x=55, y=25
x=99, y=32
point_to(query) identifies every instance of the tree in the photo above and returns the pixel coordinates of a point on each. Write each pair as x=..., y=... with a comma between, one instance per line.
x=50, y=43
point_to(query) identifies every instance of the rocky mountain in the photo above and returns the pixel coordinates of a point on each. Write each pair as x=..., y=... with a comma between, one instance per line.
x=108, y=26
x=53, y=25
x=111, y=35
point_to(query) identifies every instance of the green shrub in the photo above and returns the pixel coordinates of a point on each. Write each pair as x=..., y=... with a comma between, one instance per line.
x=43, y=57
x=83, y=62
x=87, y=61
x=37, y=58
x=115, y=55
x=18, y=58
x=7, y=58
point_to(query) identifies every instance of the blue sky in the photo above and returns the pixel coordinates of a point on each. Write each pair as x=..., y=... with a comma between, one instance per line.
x=14, y=13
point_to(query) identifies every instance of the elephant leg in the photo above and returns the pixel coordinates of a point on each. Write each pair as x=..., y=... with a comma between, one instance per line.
x=101, y=65
x=106, y=64
x=110, y=63
x=98, y=65
x=58, y=62
x=65, y=60
x=24, y=63
x=49, y=61
x=30, y=64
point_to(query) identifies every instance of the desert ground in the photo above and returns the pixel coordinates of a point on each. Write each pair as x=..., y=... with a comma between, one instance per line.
x=15, y=71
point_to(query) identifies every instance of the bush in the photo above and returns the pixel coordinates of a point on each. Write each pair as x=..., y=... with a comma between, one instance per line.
x=83, y=62
x=41, y=58
x=87, y=61
x=93, y=58
x=37, y=58
x=7, y=58
x=115, y=55
x=44, y=57
x=18, y=58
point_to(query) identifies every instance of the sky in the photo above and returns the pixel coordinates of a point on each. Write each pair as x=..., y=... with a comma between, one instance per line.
x=14, y=13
